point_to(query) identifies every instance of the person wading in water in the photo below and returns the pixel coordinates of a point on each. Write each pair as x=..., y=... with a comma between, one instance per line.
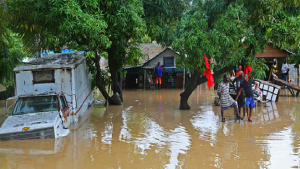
x=250, y=103
x=225, y=99
x=241, y=100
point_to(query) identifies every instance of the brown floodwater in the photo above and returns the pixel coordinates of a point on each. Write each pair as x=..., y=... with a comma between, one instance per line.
x=149, y=131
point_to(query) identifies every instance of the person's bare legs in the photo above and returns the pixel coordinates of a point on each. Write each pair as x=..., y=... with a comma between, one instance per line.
x=250, y=116
x=247, y=110
x=237, y=112
x=223, y=119
x=244, y=112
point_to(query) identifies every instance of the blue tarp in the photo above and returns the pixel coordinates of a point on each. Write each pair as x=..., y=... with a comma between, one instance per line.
x=48, y=52
x=171, y=70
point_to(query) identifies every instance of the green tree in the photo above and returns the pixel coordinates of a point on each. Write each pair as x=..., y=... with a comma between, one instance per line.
x=162, y=18
x=12, y=50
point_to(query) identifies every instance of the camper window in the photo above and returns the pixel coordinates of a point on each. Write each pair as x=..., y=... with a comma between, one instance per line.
x=45, y=76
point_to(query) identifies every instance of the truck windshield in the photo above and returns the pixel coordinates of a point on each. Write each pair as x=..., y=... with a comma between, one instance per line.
x=26, y=105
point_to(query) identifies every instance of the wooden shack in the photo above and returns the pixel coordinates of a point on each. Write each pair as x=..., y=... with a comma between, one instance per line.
x=272, y=52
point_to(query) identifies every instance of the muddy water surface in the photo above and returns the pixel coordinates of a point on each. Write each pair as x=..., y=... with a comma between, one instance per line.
x=149, y=131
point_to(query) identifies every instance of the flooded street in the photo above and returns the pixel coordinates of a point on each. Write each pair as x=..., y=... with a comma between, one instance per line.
x=149, y=131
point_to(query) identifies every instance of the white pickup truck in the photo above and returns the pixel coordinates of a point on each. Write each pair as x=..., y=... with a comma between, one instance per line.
x=37, y=116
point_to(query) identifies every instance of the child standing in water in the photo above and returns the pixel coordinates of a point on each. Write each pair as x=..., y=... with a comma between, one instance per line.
x=250, y=103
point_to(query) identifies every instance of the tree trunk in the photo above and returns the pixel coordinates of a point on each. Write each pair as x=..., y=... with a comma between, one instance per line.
x=184, y=96
x=114, y=70
x=100, y=80
x=197, y=79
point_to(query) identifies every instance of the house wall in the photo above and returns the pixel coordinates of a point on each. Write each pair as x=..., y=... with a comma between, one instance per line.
x=271, y=51
x=160, y=58
x=172, y=79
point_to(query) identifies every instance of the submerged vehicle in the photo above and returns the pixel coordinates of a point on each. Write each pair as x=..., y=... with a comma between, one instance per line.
x=50, y=93
x=37, y=116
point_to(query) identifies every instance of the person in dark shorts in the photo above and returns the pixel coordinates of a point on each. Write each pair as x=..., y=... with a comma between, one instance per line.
x=247, y=87
x=225, y=99
x=241, y=100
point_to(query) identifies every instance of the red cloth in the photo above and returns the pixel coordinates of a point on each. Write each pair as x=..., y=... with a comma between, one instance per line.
x=206, y=61
x=210, y=78
x=207, y=73
x=247, y=69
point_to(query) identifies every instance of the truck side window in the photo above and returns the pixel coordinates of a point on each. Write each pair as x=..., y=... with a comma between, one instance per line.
x=63, y=103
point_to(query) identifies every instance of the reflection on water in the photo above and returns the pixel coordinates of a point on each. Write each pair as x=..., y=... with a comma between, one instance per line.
x=207, y=123
x=149, y=131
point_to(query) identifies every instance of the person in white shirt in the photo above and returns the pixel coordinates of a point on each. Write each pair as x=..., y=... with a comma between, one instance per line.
x=284, y=70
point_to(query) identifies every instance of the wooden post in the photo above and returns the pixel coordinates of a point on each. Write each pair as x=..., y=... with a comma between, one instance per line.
x=183, y=79
x=145, y=79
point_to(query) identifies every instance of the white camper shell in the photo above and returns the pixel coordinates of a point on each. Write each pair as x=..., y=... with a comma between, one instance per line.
x=63, y=72
x=51, y=92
